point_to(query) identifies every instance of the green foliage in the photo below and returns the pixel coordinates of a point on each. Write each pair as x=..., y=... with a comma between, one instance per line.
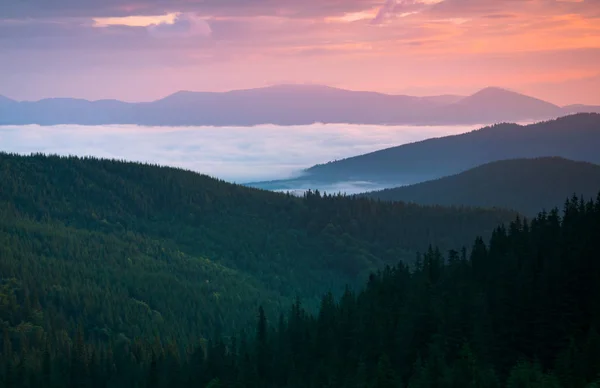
x=132, y=250
x=499, y=298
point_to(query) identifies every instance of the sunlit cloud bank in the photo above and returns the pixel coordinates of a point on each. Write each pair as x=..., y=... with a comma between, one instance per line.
x=232, y=153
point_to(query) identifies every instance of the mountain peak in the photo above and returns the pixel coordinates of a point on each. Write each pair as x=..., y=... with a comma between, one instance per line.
x=497, y=91
x=498, y=97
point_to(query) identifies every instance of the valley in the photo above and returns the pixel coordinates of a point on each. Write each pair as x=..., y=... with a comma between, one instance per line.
x=146, y=268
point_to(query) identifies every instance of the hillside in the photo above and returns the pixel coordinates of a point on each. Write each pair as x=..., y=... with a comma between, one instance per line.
x=288, y=105
x=526, y=185
x=126, y=249
x=519, y=311
x=575, y=137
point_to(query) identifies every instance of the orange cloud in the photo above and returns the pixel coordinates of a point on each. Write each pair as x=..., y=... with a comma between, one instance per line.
x=136, y=21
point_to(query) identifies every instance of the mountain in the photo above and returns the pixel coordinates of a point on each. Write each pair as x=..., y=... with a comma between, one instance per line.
x=282, y=104
x=517, y=310
x=287, y=105
x=132, y=250
x=526, y=185
x=444, y=99
x=575, y=137
x=493, y=105
x=457, y=320
x=54, y=111
x=5, y=100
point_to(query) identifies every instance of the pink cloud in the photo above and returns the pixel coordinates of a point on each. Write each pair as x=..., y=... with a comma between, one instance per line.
x=184, y=25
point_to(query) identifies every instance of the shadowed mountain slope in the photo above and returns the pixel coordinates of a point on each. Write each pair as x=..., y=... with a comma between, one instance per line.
x=526, y=185
x=575, y=137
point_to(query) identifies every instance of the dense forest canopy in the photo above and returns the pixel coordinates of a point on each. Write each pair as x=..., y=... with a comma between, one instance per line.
x=519, y=311
x=128, y=250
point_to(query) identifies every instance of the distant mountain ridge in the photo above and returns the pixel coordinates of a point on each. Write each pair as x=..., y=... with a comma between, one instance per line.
x=524, y=185
x=575, y=137
x=288, y=105
x=492, y=105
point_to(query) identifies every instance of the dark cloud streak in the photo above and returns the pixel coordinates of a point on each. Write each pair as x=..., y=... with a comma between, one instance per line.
x=13, y=9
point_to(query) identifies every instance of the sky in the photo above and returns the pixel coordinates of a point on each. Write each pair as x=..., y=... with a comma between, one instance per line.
x=235, y=154
x=141, y=50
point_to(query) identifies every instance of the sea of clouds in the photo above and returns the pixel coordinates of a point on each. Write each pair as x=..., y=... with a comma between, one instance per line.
x=236, y=154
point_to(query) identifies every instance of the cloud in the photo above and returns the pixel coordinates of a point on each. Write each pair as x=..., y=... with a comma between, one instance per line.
x=231, y=153
x=384, y=12
x=184, y=25
x=500, y=16
x=136, y=21
x=474, y=8
x=12, y=9
x=402, y=8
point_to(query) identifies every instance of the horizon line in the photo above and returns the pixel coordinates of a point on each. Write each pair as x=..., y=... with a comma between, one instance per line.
x=270, y=86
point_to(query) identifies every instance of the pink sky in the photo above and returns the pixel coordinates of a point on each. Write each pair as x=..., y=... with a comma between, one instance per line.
x=139, y=50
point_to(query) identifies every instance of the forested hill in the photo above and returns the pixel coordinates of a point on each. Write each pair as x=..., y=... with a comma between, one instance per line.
x=133, y=250
x=575, y=137
x=526, y=185
x=521, y=311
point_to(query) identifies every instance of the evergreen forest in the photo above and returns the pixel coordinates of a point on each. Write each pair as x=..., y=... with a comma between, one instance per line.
x=117, y=274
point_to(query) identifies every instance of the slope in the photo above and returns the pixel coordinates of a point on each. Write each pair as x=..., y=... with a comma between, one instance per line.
x=133, y=249
x=575, y=137
x=526, y=185
x=519, y=311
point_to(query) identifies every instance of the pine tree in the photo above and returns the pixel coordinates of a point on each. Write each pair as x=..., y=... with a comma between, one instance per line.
x=384, y=376
x=262, y=346
x=47, y=366
x=153, y=377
